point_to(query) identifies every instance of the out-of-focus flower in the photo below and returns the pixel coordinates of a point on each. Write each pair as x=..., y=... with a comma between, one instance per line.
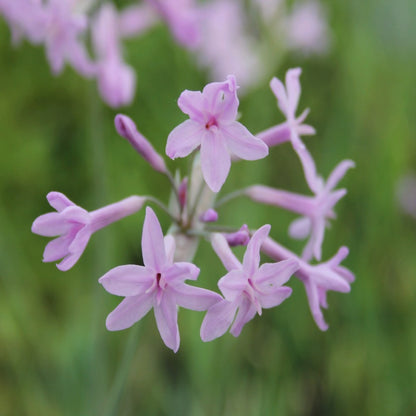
x=116, y=80
x=213, y=126
x=247, y=288
x=74, y=226
x=159, y=284
x=306, y=28
x=406, y=194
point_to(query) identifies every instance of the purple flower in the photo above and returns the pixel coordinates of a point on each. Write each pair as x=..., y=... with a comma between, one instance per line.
x=247, y=288
x=126, y=128
x=74, y=226
x=159, y=284
x=316, y=211
x=116, y=80
x=238, y=238
x=213, y=126
x=317, y=279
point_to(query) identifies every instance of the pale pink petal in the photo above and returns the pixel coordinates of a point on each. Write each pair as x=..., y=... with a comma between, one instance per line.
x=251, y=259
x=195, y=298
x=242, y=143
x=271, y=300
x=50, y=225
x=166, y=314
x=184, y=138
x=59, y=201
x=153, y=248
x=233, y=284
x=217, y=320
x=280, y=92
x=305, y=130
x=272, y=275
x=127, y=280
x=181, y=271
x=325, y=277
x=169, y=242
x=221, y=99
x=338, y=173
x=128, y=312
x=192, y=103
x=80, y=240
x=313, y=299
x=69, y=261
x=300, y=228
x=246, y=313
x=223, y=251
x=56, y=249
x=215, y=160
x=293, y=89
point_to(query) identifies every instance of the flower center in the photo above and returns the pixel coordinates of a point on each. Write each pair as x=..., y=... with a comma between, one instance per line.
x=211, y=122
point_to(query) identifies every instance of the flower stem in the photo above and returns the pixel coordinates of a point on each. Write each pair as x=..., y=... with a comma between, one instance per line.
x=229, y=197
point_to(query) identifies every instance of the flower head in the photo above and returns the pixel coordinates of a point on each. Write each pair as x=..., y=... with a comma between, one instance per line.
x=74, y=226
x=247, y=287
x=159, y=284
x=213, y=126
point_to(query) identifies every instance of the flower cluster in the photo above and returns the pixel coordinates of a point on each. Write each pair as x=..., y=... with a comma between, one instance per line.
x=216, y=140
x=214, y=31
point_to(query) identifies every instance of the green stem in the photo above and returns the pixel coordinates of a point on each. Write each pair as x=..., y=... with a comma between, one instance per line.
x=163, y=207
x=229, y=197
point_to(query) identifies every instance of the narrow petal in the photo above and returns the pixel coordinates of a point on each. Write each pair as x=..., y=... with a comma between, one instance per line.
x=215, y=160
x=179, y=272
x=153, y=247
x=56, y=249
x=272, y=275
x=233, y=284
x=223, y=251
x=300, y=228
x=50, y=225
x=280, y=92
x=305, y=130
x=68, y=261
x=313, y=299
x=251, y=259
x=128, y=312
x=246, y=313
x=80, y=241
x=195, y=298
x=217, y=320
x=338, y=173
x=127, y=280
x=59, y=201
x=275, y=298
x=323, y=276
x=184, y=138
x=293, y=88
x=166, y=315
x=242, y=143
x=192, y=103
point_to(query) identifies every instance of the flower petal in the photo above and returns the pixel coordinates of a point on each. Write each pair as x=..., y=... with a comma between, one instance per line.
x=56, y=249
x=128, y=312
x=313, y=299
x=153, y=247
x=50, y=225
x=127, y=280
x=233, y=284
x=217, y=320
x=293, y=89
x=179, y=272
x=166, y=314
x=280, y=92
x=195, y=298
x=215, y=160
x=223, y=251
x=272, y=275
x=300, y=228
x=242, y=143
x=275, y=298
x=192, y=103
x=251, y=259
x=68, y=261
x=338, y=173
x=246, y=313
x=170, y=245
x=185, y=138
x=58, y=201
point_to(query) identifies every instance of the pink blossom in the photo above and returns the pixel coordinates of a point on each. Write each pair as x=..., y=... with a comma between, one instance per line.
x=247, y=287
x=74, y=226
x=238, y=238
x=213, y=126
x=159, y=284
x=318, y=279
x=316, y=211
x=116, y=80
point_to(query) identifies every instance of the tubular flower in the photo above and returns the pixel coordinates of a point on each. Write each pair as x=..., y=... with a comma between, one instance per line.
x=159, y=284
x=247, y=287
x=74, y=226
x=213, y=126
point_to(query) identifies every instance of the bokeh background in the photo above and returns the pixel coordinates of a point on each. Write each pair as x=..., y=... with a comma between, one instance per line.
x=56, y=357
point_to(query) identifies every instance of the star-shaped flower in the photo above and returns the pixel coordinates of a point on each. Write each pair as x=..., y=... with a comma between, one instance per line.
x=213, y=126
x=159, y=284
x=247, y=287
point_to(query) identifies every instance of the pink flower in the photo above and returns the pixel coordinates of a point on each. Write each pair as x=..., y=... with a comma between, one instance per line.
x=317, y=279
x=159, y=284
x=74, y=226
x=316, y=211
x=213, y=126
x=247, y=288
x=116, y=80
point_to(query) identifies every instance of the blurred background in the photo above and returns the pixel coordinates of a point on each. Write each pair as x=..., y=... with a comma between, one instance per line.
x=57, y=358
